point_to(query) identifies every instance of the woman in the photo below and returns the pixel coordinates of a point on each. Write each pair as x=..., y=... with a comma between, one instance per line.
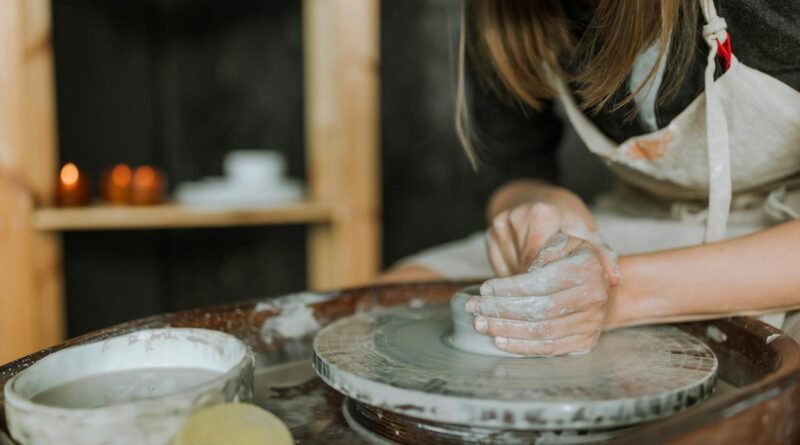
x=704, y=140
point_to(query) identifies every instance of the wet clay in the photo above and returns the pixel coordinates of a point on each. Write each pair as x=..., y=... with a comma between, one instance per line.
x=465, y=337
x=123, y=386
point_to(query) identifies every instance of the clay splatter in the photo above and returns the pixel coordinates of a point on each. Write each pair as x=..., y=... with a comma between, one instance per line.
x=651, y=149
x=715, y=334
x=772, y=338
x=295, y=321
x=305, y=298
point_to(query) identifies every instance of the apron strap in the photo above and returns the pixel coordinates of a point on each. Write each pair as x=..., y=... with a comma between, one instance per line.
x=777, y=208
x=718, y=145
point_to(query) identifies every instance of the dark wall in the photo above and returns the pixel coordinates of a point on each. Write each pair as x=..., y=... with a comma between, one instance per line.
x=430, y=192
x=179, y=83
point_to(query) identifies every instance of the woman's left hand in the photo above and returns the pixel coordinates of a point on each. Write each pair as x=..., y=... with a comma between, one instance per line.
x=558, y=307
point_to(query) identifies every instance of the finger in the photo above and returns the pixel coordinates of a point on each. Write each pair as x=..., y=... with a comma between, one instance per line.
x=549, y=279
x=609, y=258
x=569, y=325
x=610, y=261
x=520, y=229
x=534, y=308
x=536, y=224
x=503, y=234
x=547, y=348
x=558, y=247
x=497, y=259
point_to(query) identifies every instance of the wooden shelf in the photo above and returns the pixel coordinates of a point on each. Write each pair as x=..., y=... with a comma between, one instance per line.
x=102, y=217
x=342, y=144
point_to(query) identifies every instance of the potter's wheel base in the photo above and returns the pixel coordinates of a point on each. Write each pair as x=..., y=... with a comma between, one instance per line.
x=384, y=427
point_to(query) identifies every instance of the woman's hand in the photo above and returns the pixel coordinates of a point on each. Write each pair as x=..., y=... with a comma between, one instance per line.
x=516, y=236
x=527, y=216
x=560, y=306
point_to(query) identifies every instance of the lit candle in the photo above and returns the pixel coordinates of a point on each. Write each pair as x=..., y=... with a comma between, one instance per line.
x=116, y=185
x=73, y=187
x=148, y=186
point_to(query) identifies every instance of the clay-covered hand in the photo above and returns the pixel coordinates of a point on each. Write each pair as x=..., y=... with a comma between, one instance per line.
x=559, y=306
x=517, y=236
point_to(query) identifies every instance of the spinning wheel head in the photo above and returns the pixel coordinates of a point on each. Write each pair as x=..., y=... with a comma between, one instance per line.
x=400, y=360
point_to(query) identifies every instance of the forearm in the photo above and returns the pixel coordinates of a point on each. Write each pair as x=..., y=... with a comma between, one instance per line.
x=755, y=274
x=526, y=191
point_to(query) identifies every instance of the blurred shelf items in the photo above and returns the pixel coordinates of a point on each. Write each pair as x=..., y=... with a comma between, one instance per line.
x=253, y=179
x=40, y=198
x=118, y=186
x=254, y=191
x=73, y=187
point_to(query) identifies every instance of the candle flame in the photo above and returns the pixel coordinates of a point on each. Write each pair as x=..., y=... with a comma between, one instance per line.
x=121, y=175
x=144, y=176
x=69, y=174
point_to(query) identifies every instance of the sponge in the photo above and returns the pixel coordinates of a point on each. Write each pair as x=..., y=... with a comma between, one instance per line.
x=233, y=424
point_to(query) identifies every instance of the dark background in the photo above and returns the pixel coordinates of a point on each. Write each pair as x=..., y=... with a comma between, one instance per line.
x=179, y=83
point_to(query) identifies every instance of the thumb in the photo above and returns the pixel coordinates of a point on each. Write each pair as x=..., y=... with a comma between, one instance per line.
x=610, y=261
x=558, y=247
x=562, y=245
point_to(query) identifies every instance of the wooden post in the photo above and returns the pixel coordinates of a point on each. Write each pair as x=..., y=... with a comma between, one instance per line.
x=41, y=152
x=342, y=135
x=31, y=304
x=17, y=332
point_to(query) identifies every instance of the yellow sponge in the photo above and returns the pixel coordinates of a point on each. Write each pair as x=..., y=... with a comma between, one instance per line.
x=233, y=424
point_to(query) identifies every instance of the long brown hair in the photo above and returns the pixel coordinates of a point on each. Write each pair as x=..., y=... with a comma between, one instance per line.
x=515, y=42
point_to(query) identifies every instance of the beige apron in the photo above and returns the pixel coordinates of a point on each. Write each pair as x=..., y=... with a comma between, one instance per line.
x=742, y=136
x=747, y=167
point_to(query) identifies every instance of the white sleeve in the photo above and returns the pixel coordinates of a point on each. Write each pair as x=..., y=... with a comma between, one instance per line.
x=462, y=259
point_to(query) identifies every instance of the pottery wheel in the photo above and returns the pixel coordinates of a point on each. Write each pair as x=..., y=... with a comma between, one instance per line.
x=400, y=360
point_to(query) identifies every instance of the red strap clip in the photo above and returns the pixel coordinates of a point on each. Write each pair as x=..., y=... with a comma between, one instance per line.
x=724, y=51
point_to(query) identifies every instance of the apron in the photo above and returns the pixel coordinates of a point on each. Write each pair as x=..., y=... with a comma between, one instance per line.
x=728, y=165
x=742, y=135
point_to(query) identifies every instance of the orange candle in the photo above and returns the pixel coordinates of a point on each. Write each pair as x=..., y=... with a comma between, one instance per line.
x=73, y=187
x=116, y=185
x=148, y=186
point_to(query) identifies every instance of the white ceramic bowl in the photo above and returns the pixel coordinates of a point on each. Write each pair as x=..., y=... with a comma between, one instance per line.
x=151, y=421
x=255, y=167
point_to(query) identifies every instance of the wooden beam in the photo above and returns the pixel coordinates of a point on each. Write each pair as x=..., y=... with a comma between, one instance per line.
x=41, y=148
x=18, y=312
x=31, y=304
x=341, y=40
x=41, y=165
